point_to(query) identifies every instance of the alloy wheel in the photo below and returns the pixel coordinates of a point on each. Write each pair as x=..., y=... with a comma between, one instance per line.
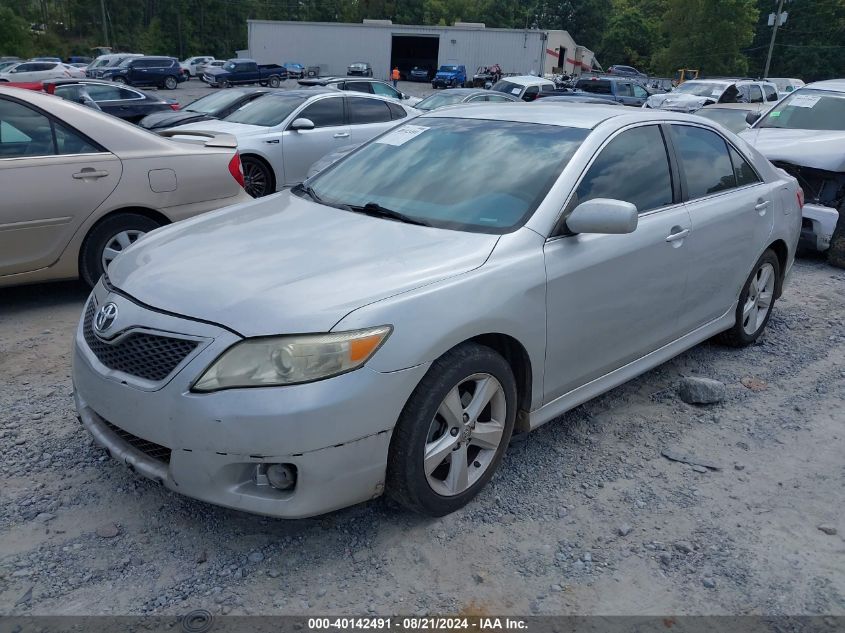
x=465, y=434
x=255, y=178
x=119, y=243
x=170, y=83
x=761, y=291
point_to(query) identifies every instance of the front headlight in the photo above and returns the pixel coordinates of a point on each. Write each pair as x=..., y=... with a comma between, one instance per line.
x=289, y=360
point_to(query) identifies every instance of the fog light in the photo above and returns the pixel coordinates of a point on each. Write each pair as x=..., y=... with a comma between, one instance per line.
x=281, y=476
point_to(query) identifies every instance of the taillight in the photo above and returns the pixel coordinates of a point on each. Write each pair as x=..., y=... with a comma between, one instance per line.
x=174, y=106
x=50, y=88
x=800, y=196
x=236, y=170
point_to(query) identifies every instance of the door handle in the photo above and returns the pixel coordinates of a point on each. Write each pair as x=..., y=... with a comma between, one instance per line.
x=272, y=141
x=87, y=173
x=761, y=206
x=680, y=234
x=342, y=135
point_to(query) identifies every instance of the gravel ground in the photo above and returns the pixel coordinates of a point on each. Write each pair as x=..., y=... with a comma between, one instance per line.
x=586, y=516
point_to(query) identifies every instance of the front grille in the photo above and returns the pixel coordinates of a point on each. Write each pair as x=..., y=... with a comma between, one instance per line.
x=150, y=449
x=144, y=355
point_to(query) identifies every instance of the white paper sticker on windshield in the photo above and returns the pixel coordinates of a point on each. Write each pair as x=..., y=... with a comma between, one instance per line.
x=716, y=92
x=402, y=135
x=516, y=91
x=803, y=101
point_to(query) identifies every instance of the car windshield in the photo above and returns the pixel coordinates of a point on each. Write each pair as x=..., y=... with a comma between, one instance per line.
x=808, y=109
x=448, y=69
x=215, y=102
x=439, y=100
x=701, y=88
x=508, y=87
x=731, y=118
x=267, y=111
x=408, y=169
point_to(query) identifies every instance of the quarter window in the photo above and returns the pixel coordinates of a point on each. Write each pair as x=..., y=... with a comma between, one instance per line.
x=363, y=110
x=745, y=174
x=325, y=112
x=397, y=111
x=704, y=157
x=633, y=167
x=385, y=91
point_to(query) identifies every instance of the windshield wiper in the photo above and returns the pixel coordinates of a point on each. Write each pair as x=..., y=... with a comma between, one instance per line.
x=377, y=211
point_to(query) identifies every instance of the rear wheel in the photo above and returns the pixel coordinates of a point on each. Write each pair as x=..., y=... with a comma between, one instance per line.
x=108, y=239
x=258, y=177
x=274, y=82
x=453, y=431
x=170, y=82
x=755, y=302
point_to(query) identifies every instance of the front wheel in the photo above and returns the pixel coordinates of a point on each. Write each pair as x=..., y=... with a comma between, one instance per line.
x=453, y=431
x=225, y=83
x=258, y=177
x=120, y=80
x=109, y=239
x=755, y=302
x=170, y=82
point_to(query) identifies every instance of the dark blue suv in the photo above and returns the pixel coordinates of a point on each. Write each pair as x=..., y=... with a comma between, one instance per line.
x=162, y=72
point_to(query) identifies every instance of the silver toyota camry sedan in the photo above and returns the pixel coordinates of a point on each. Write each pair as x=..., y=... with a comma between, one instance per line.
x=387, y=325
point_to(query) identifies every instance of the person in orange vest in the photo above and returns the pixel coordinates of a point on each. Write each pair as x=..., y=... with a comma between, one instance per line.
x=395, y=76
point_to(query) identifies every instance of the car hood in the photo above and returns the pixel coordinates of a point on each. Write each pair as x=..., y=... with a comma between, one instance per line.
x=225, y=127
x=283, y=264
x=160, y=120
x=819, y=149
x=215, y=70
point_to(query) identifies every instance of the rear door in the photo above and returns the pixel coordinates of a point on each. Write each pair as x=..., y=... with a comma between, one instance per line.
x=52, y=179
x=303, y=148
x=732, y=213
x=625, y=93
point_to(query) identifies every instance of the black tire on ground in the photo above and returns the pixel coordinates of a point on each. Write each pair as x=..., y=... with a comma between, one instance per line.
x=259, y=179
x=274, y=82
x=263, y=84
x=406, y=479
x=119, y=79
x=224, y=83
x=737, y=336
x=91, y=254
x=171, y=82
x=836, y=252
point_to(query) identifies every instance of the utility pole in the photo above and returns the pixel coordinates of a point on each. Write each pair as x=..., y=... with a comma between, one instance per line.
x=772, y=42
x=105, y=26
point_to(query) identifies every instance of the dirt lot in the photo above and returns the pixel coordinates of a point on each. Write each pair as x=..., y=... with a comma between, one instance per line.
x=585, y=516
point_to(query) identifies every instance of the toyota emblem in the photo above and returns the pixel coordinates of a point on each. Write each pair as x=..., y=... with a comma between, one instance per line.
x=105, y=317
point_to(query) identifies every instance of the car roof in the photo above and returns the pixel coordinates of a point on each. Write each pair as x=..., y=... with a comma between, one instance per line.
x=578, y=115
x=527, y=80
x=836, y=85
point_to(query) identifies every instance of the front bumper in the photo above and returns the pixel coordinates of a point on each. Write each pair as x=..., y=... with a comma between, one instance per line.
x=335, y=432
x=817, y=229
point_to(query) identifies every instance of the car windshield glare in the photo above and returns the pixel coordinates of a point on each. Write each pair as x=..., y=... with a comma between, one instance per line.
x=267, y=111
x=808, y=110
x=506, y=169
x=214, y=102
x=701, y=89
x=507, y=86
x=439, y=100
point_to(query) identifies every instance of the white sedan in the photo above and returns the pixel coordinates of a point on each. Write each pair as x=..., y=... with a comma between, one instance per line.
x=283, y=133
x=38, y=71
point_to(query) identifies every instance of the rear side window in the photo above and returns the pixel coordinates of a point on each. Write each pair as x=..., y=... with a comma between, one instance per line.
x=325, y=112
x=363, y=111
x=624, y=89
x=397, y=111
x=745, y=174
x=705, y=160
x=633, y=167
x=756, y=94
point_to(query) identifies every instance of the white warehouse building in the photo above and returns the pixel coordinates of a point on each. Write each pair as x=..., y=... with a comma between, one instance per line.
x=332, y=46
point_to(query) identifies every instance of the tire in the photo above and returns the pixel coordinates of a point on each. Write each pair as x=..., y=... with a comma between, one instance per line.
x=274, y=82
x=120, y=80
x=259, y=180
x=107, y=234
x=438, y=488
x=170, y=82
x=836, y=251
x=224, y=83
x=750, y=322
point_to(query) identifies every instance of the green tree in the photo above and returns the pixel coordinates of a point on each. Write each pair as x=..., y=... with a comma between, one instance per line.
x=630, y=38
x=14, y=34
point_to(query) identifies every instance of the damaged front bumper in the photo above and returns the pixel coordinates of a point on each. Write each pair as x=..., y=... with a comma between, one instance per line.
x=824, y=194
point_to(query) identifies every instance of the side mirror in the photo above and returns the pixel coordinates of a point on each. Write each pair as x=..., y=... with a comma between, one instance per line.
x=302, y=124
x=402, y=95
x=752, y=117
x=603, y=215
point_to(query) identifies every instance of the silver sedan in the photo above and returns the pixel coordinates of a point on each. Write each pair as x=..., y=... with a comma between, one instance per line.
x=388, y=324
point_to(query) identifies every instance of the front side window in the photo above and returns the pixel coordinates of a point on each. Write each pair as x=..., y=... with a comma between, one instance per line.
x=705, y=160
x=624, y=89
x=409, y=170
x=27, y=133
x=808, y=109
x=363, y=111
x=755, y=94
x=324, y=113
x=596, y=86
x=531, y=93
x=633, y=167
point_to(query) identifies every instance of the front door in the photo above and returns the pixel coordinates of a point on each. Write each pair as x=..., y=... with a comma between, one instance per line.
x=52, y=179
x=303, y=148
x=612, y=299
x=368, y=117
